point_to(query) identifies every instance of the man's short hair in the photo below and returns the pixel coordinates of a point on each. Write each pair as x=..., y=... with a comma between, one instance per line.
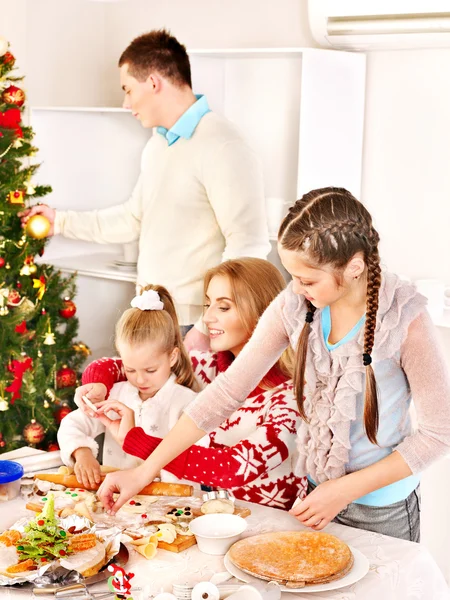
x=158, y=51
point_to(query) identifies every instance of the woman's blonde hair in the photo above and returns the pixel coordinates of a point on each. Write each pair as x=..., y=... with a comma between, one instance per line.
x=136, y=327
x=254, y=284
x=329, y=226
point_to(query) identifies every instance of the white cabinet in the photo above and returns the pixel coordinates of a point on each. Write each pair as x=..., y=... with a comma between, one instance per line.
x=301, y=109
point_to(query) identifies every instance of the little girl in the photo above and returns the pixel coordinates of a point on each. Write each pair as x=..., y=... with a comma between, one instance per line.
x=365, y=345
x=160, y=384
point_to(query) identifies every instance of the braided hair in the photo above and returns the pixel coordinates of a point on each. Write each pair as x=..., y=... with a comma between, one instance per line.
x=330, y=226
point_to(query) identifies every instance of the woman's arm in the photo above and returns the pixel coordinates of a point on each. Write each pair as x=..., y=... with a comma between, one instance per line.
x=104, y=370
x=265, y=449
x=210, y=408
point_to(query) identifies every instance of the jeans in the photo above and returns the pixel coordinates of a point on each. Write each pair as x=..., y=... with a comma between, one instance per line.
x=400, y=520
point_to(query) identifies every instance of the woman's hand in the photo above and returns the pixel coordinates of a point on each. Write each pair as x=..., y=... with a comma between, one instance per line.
x=87, y=468
x=96, y=392
x=118, y=428
x=323, y=504
x=126, y=483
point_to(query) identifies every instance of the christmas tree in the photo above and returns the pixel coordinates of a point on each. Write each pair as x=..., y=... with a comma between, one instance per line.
x=39, y=358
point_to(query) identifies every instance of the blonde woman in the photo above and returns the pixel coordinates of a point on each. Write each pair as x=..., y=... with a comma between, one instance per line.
x=158, y=384
x=253, y=452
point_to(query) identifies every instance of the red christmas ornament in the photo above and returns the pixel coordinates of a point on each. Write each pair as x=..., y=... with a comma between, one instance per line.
x=2, y=262
x=21, y=328
x=10, y=119
x=62, y=412
x=8, y=59
x=69, y=309
x=34, y=432
x=13, y=298
x=18, y=368
x=43, y=311
x=13, y=95
x=2, y=441
x=66, y=377
x=52, y=447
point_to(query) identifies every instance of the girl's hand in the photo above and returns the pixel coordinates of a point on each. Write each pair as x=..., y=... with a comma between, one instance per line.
x=117, y=427
x=87, y=468
x=126, y=483
x=323, y=504
x=96, y=392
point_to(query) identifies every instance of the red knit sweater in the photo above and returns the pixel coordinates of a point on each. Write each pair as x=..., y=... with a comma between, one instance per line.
x=252, y=453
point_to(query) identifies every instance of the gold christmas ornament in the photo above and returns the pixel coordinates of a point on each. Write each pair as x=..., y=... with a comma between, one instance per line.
x=15, y=197
x=17, y=143
x=34, y=432
x=80, y=347
x=46, y=404
x=7, y=266
x=38, y=227
x=25, y=270
x=32, y=269
x=51, y=395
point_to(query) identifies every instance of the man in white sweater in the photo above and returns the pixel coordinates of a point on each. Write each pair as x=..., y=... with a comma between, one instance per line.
x=199, y=198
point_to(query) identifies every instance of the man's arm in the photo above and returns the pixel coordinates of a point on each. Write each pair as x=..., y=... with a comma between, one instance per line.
x=114, y=225
x=234, y=183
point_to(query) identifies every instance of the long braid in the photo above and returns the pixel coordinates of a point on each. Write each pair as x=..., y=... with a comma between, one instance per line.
x=328, y=227
x=302, y=348
x=371, y=413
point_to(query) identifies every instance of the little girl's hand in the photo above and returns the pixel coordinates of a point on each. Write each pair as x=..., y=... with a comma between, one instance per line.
x=322, y=504
x=87, y=468
x=117, y=427
x=96, y=392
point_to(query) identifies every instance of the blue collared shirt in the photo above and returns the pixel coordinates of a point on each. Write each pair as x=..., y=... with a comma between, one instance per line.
x=187, y=123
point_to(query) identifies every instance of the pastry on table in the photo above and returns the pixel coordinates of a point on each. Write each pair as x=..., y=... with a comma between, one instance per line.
x=293, y=558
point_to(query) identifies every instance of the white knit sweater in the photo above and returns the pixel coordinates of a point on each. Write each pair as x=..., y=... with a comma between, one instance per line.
x=156, y=416
x=196, y=203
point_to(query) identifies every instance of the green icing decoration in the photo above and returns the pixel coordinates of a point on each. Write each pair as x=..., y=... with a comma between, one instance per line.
x=45, y=540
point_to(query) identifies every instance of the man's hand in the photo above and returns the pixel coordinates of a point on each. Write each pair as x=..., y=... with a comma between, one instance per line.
x=39, y=209
x=117, y=427
x=196, y=340
x=87, y=468
x=96, y=392
x=323, y=504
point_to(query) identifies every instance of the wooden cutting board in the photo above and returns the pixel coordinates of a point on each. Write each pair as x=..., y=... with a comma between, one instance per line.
x=183, y=542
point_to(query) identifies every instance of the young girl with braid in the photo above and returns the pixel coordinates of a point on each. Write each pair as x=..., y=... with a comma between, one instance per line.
x=365, y=347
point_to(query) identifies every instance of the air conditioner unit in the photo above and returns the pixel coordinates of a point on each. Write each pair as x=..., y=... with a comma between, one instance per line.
x=362, y=25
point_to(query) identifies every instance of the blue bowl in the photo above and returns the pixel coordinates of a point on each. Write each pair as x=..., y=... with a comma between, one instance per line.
x=10, y=471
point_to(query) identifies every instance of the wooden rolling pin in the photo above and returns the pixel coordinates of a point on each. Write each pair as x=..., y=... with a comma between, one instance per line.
x=156, y=488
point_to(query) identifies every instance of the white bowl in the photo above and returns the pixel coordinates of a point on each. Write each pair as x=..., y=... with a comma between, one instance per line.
x=217, y=532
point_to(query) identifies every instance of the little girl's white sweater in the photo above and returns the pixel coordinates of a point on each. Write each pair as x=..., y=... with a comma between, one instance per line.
x=156, y=416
